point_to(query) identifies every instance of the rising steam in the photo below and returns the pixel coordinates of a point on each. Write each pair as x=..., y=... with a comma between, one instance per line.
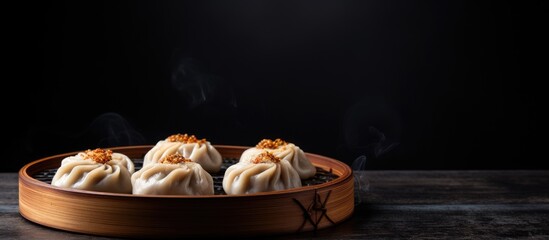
x=198, y=88
x=111, y=129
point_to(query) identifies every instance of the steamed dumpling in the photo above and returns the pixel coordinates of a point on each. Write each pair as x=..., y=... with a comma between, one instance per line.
x=199, y=151
x=264, y=173
x=172, y=175
x=285, y=151
x=96, y=170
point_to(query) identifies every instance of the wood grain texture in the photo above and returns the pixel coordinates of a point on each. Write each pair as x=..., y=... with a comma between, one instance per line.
x=126, y=215
x=511, y=204
x=458, y=187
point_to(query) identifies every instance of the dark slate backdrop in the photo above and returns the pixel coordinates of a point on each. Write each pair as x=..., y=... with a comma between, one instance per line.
x=407, y=84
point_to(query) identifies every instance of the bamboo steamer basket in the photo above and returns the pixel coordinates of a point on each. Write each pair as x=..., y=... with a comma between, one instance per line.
x=308, y=208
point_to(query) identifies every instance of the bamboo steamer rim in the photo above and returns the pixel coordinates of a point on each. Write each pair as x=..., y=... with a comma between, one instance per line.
x=29, y=185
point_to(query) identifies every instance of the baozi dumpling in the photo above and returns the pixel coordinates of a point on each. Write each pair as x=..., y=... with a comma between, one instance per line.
x=96, y=170
x=172, y=175
x=285, y=151
x=197, y=150
x=264, y=173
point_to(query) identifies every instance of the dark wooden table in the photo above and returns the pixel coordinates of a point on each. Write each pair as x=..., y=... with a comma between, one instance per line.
x=397, y=205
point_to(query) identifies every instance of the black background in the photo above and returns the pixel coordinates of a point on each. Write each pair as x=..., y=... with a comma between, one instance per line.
x=408, y=84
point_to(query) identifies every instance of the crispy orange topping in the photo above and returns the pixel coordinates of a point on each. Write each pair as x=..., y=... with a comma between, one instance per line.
x=268, y=143
x=98, y=155
x=185, y=138
x=265, y=157
x=174, y=159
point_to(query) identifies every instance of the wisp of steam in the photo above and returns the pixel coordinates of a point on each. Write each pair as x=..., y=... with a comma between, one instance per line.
x=364, y=137
x=362, y=185
x=114, y=130
x=198, y=87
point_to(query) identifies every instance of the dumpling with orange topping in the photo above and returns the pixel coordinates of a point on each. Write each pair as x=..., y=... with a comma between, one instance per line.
x=172, y=175
x=264, y=173
x=96, y=170
x=197, y=150
x=285, y=151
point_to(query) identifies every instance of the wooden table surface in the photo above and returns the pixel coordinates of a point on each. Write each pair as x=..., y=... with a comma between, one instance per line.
x=494, y=204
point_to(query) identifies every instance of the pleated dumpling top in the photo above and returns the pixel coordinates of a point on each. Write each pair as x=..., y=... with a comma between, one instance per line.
x=96, y=170
x=197, y=150
x=172, y=175
x=263, y=173
x=285, y=151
